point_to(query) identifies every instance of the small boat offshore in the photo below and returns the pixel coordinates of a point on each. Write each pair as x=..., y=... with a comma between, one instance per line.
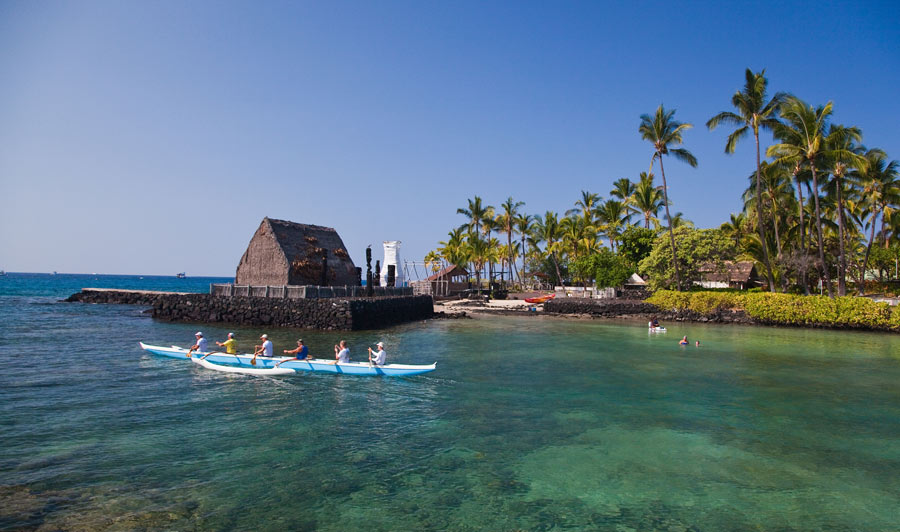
x=243, y=361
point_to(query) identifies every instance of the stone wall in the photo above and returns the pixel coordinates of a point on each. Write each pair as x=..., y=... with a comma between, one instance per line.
x=618, y=308
x=322, y=314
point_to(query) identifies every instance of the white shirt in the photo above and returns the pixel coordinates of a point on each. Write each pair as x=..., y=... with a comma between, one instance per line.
x=201, y=344
x=378, y=357
x=344, y=356
x=268, y=350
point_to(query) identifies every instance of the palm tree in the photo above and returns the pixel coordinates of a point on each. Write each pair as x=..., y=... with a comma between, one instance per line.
x=734, y=228
x=476, y=213
x=802, y=137
x=524, y=225
x=664, y=131
x=586, y=206
x=506, y=220
x=879, y=185
x=453, y=250
x=754, y=113
x=842, y=152
x=613, y=215
x=433, y=261
x=548, y=230
x=647, y=198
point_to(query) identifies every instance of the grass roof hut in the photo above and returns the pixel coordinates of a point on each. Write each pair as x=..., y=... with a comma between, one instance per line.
x=288, y=253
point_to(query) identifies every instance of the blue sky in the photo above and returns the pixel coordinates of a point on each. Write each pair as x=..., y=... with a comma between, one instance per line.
x=152, y=137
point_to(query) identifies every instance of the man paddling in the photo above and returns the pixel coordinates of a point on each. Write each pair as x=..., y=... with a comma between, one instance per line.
x=341, y=353
x=266, y=349
x=200, y=346
x=228, y=345
x=380, y=356
x=301, y=351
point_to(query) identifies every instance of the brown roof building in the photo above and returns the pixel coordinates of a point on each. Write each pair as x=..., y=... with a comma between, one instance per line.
x=741, y=275
x=288, y=253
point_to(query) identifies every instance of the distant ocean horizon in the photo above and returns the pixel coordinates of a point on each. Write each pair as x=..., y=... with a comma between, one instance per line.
x=66, y=284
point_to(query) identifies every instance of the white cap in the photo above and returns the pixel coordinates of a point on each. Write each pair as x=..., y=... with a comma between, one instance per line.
x=231, y=335
x=264, y=336
x=198, y=333
x=379, y=344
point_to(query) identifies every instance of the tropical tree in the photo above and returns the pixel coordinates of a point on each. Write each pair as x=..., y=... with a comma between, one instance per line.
x=879, y=184
x=663, y=131
x=802, y=141
x=548, y=230
x=506, y=221
x=454, y=249
x=647, y=198
x=433, y=261
x=524, y=226
x=477, y=213
x=613, y=214
x=842, y=153
x=586, y=206
x=753, y=113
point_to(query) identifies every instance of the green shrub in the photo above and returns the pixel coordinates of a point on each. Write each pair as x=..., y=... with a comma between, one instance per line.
x=787, y=309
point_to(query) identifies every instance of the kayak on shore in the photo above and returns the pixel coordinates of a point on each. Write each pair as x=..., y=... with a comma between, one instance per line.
x=315, y=365
x=540, y=299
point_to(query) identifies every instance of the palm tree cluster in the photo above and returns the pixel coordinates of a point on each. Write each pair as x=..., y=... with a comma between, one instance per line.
x=814, y=208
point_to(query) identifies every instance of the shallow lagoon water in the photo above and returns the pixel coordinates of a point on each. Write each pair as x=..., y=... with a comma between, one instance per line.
x=529, y=423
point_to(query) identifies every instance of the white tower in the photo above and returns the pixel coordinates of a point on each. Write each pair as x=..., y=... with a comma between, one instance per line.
x=392, y=256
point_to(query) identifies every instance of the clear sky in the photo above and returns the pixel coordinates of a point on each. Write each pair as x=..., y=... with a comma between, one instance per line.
x=153, y=137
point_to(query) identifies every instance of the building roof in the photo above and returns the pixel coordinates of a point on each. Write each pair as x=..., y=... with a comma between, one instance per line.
x=283, y=252
x=450, y=271
x=734, y=272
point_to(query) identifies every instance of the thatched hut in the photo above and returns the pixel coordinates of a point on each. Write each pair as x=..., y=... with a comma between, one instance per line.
x=288, y=253
x=741, y=275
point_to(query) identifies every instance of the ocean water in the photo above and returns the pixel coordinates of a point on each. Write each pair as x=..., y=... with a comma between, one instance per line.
x=528, y=423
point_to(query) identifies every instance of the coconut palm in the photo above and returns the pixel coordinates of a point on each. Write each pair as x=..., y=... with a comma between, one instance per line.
x=613, y=214
x=433, y=261
x=879, y=185
x=586, y=206
x=842, y=153
x=647, y=198
x=477, y=213
x=506, y=221
x=802, y=136
x=524, y=225
x=453, y=250
x=663, y=131
x=548, y=230
x=753, y=114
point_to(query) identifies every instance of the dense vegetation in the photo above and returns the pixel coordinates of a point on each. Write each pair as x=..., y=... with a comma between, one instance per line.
x=787, y=309
x=820, y=207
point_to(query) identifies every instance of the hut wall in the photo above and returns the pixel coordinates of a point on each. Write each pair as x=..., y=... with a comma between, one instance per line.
x=264, y=262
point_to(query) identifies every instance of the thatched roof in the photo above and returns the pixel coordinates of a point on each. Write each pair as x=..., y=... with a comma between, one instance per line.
x=734, y=272
x=283, y=252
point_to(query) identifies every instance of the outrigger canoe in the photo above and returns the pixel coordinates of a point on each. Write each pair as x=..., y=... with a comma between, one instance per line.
x=317, y=365
x=540, y=299
x=657, y=329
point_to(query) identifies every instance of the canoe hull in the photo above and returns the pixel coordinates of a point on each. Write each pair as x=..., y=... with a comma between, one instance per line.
x=541, y=299
x=241, y=369
x=315, y=365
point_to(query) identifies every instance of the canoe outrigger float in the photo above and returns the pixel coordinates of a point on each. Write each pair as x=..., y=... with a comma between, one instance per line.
x=234, y=363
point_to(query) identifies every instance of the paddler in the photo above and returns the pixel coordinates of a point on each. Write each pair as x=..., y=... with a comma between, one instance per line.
x=266, y=349
x=341, y=353
x=301, y=351
x=379, y=357
x=200, y=346
x=228, y=345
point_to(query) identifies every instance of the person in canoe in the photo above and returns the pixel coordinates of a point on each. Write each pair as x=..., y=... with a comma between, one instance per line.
x=228, y=345
x=654, y=323
x=341, y=353
x=301, y=352
x=379, y=356
x=683, y=341
x=200, y=345
x=266, y=349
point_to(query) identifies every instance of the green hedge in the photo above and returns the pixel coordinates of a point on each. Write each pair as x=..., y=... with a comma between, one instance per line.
x=786, y=309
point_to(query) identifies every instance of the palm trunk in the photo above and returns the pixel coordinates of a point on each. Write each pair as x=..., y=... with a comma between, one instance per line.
x=842, y=259
x=804, y=280
x=825, y=274
x=671, y=230
x=760, y=221
x=862, y=275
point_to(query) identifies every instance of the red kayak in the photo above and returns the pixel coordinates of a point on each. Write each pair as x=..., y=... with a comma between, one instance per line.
x=540, y=299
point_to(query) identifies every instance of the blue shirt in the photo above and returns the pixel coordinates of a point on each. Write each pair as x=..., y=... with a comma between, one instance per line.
x=304, y=352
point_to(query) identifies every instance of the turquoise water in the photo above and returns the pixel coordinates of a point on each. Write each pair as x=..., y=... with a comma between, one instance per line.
x=528, y=423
